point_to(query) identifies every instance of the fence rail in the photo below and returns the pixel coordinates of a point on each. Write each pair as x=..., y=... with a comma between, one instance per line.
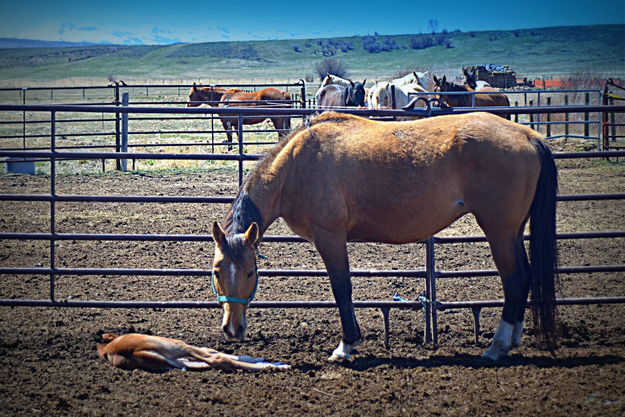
x=428, y=303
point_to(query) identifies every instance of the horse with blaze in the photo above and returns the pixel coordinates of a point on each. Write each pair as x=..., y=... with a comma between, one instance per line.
x=345, y=178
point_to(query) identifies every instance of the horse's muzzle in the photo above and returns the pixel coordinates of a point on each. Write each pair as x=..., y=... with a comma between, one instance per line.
x=234, y=335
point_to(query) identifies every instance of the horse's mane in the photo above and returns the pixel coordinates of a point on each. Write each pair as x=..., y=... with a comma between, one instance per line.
x=455, y=87
x=243, y=211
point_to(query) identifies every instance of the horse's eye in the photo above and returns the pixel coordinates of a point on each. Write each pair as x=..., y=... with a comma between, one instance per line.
x=216, y=274
x=250, y=274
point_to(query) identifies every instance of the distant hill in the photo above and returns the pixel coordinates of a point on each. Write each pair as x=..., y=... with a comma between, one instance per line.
x=30, y=43
x=533, y=53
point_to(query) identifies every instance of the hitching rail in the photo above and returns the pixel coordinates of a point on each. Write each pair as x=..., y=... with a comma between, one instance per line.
x=428, y=302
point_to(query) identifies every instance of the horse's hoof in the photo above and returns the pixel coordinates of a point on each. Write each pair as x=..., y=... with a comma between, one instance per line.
x=495, y=353
x=342, y=352
x=338, y=357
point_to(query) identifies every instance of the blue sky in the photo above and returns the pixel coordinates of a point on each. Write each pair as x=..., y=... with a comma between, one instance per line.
x=165, y=22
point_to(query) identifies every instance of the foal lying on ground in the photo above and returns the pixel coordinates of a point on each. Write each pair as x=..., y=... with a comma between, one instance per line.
x=159, y=354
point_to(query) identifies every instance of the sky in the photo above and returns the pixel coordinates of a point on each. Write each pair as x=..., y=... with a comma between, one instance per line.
x=159, y=22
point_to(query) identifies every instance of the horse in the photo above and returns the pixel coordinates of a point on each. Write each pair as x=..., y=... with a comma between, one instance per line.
x=219, y=96
x=471, y=80
x=161, y=354
x=334, y=79
x=494, y=98
x=280, y=97
x=399, y=182
x=208, y=95
x=381, y=96
x=411, y=78
x=334, y=95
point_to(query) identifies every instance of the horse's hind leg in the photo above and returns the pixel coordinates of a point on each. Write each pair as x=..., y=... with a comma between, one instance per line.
x=511, y=260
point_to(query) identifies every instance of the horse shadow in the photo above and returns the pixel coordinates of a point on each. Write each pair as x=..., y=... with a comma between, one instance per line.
x=369, y=362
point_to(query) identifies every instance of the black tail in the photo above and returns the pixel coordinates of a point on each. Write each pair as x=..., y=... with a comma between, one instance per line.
x=543, y=248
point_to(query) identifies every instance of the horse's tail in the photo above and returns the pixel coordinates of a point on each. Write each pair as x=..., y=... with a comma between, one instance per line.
x=543, y=247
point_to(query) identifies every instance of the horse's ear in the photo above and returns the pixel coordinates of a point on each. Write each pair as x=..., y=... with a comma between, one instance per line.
x=351, y=82
x=444, y=80
x=252, y=235
x=364, y=82
x=218, y=234
x=435, y=80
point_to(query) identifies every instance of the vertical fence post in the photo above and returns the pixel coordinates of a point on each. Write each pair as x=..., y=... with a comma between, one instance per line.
x=24, y=118
x=117, y=126
x=532, y=116
x=587, y=116
x=612, y=123
x=240, y=134
x=52, y=203
x=566, y=117
x=431, y=322
x=549, y=118
x=124, y=139
x=516, y=115
x=303, y=94
x=538, y=114
x=393, y=104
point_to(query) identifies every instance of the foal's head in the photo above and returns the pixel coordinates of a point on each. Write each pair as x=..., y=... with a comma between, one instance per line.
x=235, y=277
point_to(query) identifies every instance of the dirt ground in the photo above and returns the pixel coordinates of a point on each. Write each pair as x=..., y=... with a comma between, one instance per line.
x=49, y=366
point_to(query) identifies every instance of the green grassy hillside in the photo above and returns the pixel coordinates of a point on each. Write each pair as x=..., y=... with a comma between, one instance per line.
x=531, y=52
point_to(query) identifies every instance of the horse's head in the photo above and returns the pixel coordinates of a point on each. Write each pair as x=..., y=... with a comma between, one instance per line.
x=357, y=93
x=195, y=96
x=470, y=80
x=378, y=95
x=452, y=100
x=235, y=277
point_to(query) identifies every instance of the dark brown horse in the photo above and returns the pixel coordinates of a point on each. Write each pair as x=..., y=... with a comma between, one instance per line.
x=493, y=98
x=236, y=97
x=346, y=178
x=335, y=95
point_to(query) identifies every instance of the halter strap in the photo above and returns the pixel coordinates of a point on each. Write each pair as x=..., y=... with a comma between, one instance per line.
x=227, y=299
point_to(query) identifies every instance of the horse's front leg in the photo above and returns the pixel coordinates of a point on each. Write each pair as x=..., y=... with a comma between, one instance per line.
x=227, y=124
x=333, y=250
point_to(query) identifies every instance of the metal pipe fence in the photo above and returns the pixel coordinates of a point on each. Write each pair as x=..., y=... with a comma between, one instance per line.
x=429, y=302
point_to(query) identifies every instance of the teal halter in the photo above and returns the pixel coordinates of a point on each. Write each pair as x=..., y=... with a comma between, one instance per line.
x=227, y=299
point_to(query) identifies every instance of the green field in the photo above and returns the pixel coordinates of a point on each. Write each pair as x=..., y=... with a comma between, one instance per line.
x=533, y=53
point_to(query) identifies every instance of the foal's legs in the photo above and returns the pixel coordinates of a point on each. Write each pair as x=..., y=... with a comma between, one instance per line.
x=511, y=260
x=333, y=250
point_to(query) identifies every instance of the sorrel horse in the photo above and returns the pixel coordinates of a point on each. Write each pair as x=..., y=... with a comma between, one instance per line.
x=236, y=97
x=346, y=178
x=334, y=95
x=160, y=354
x=494, y=98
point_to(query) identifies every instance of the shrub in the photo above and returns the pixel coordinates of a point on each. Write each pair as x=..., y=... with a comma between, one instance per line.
x=330, y=66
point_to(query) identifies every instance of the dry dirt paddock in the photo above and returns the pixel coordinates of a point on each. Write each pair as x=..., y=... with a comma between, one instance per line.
x=49, y=366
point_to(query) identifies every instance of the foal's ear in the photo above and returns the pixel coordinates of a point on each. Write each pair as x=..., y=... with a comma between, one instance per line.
x=252, y=235
x=435, y=80
x=218, y=234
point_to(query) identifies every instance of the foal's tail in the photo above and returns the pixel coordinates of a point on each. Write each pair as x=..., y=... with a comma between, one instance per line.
x=543, y=247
